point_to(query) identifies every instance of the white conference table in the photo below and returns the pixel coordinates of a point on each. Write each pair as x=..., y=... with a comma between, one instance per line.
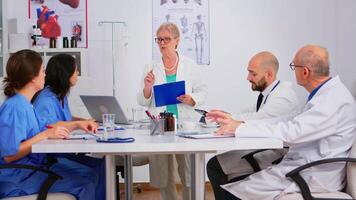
x=161, y=144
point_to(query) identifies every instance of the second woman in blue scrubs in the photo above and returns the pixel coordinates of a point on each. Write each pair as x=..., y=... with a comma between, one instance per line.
x=51, y=106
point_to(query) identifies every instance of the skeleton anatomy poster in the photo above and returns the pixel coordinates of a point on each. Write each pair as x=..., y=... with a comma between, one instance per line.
x=192, y=18
x=61, y=18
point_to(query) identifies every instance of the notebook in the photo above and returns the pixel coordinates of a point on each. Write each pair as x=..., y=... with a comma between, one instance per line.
x=205, y=136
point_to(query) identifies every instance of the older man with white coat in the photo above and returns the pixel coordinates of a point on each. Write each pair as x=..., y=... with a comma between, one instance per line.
x=325, y=128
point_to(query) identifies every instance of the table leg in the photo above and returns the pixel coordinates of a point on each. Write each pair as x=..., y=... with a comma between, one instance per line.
x=198, y=176
x=110, y=177
x=128, y=177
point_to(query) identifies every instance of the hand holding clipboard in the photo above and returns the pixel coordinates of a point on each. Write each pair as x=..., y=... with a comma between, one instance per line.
x=186, y=99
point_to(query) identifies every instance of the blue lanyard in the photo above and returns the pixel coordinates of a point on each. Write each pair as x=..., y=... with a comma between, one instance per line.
x=116, y=140
x=274, y=87
x=311, y=95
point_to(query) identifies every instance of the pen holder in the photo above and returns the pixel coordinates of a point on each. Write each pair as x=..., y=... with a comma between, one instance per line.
x=157, y=126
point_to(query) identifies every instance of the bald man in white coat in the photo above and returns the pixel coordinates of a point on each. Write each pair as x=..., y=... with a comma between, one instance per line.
x=277, y=98
x=325, y=128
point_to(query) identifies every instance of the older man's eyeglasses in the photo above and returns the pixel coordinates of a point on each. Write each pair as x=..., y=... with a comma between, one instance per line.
x=165, y=40
x=293, y=66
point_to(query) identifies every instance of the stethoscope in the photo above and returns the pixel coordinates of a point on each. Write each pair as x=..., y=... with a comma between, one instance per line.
x=115, y=140
x=274, y=87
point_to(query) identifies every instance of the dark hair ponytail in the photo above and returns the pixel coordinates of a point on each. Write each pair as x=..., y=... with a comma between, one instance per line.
x=21, y=68
x=9, y=88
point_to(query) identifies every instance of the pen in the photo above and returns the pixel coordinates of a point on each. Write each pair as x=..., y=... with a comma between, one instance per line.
x=148, y=114
x=81, y=138
x=101, y=129
x=93, y=134
x=49, y=126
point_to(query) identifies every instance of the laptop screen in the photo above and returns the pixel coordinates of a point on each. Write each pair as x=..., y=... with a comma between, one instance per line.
x=99, y=105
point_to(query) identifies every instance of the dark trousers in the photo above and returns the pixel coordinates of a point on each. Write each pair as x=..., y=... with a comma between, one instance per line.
x=217, y=177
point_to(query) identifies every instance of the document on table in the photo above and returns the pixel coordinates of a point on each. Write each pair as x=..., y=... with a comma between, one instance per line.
x=206, y=136
x=166, y=94
x=82, y=135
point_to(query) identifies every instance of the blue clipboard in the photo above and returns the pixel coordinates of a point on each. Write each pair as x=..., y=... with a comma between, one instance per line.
x=166, y=94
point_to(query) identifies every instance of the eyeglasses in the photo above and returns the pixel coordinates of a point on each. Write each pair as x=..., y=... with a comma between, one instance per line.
x=293, y=66
x=165, y=40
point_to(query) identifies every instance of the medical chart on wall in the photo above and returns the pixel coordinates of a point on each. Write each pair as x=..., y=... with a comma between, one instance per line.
x=192, y=18
x=61, y=18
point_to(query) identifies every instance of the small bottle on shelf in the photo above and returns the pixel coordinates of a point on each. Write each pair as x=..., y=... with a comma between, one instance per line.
x=34, y=36
x=52, y=42
x=65, y=42
x=73, y=42
x=59, y=42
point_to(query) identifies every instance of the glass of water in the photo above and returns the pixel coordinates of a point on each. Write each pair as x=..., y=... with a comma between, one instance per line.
x=108, y=124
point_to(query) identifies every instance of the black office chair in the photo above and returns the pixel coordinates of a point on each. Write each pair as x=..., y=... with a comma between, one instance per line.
x=305, y=190
x=254, y=164
x=348, y=193
x=47, y=184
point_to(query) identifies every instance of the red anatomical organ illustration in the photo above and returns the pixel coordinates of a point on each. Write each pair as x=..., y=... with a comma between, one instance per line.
x=48, y=23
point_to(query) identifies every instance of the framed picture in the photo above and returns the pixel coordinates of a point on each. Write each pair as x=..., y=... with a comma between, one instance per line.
x=61, y=18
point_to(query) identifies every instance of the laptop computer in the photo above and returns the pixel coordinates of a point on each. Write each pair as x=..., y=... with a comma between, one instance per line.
x=98, y=105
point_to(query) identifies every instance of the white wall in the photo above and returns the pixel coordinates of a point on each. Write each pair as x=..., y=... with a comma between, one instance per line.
x=346, y=43
x=238, y=28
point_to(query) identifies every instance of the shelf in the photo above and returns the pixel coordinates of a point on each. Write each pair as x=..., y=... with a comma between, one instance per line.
x=47, y=53
x=52, y=50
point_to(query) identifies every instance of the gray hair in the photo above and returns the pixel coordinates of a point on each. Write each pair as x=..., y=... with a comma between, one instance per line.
x=317, y=59
x=170, y=27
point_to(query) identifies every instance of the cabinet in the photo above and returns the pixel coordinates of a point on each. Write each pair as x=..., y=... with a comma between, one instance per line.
x=47, y=53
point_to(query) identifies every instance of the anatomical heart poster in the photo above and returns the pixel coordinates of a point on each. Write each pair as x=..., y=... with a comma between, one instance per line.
x=61, y=18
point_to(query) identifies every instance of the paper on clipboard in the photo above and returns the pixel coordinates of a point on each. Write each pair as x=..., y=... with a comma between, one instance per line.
x=166, y=94
x=206, y=136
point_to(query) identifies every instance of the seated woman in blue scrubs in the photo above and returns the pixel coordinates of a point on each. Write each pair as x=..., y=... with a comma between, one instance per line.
x=51, y=106
x=19, y=130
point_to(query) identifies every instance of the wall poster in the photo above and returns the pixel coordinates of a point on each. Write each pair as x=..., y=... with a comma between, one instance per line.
x=61, y=18
x=192, y=18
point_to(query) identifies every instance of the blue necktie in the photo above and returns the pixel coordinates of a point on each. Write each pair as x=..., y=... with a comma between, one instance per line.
x=259, y=101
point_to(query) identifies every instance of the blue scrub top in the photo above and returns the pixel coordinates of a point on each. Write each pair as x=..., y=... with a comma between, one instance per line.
x=49, y=109
x=18, y=123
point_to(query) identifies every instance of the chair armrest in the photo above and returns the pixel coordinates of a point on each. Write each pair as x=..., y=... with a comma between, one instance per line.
x=298, y=179
x=47, y=184
x=253, y=162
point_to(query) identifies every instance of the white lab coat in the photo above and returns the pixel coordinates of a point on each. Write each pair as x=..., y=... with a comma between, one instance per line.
x=187, y=71
x=282, y=100
x=326, y=128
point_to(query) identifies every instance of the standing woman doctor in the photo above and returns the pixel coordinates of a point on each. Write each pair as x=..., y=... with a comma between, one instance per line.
x=19, y=130
x=171, y=68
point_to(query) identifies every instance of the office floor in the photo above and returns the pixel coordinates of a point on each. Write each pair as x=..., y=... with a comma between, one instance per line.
x=149, y=193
